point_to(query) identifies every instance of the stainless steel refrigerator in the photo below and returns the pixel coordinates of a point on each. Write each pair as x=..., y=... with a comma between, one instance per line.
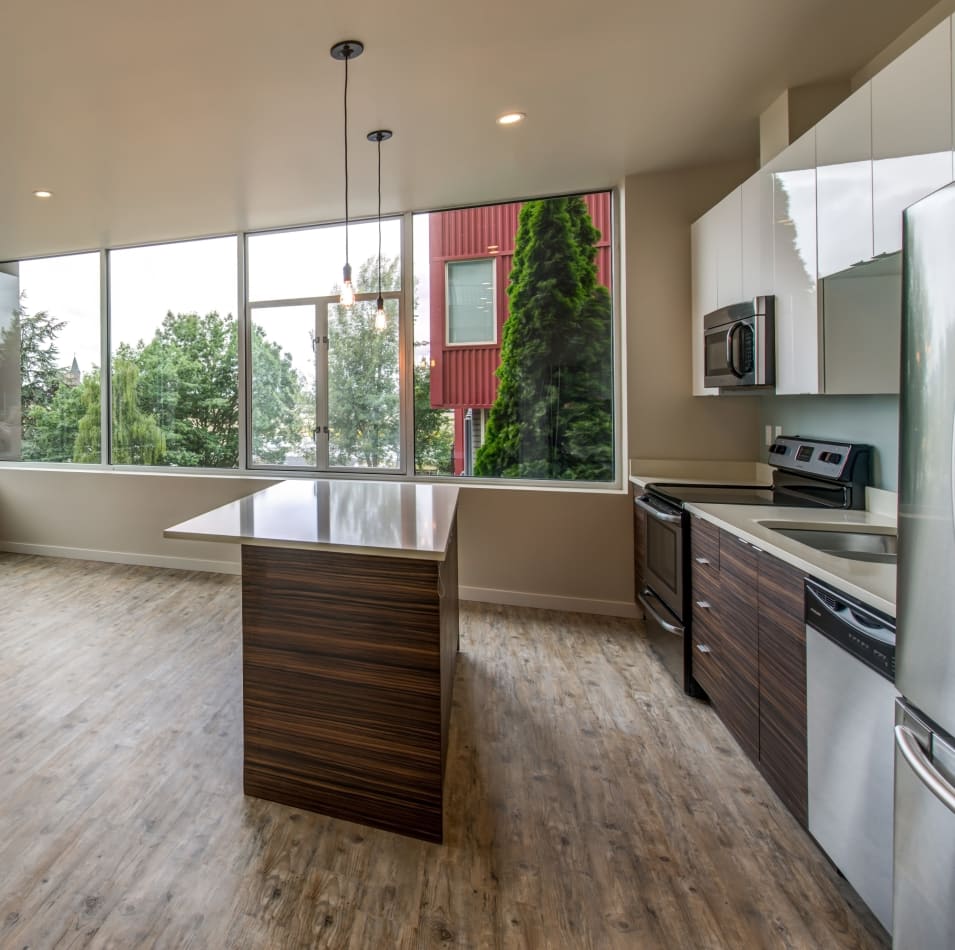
x=924, y=837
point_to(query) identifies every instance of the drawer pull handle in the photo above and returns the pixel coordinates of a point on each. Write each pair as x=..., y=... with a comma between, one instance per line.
x=703, y=605
x=702, y=560
x=703, y=648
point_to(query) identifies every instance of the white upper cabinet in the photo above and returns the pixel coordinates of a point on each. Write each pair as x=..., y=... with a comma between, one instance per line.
x=911, y=132
x=794, y=250
x=729, y=275
x=756, y=200
x=844, y=184
x=704, y=241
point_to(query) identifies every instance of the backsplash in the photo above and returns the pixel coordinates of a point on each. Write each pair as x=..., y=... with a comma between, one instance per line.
x=872, y=419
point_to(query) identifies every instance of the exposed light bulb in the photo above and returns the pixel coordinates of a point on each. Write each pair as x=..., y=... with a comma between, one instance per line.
x=347, y=297
x=381, y=320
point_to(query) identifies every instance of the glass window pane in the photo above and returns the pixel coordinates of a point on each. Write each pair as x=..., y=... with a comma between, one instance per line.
x=49, y=359
x=470, y=298
x=174, y=354
x=289, y=265
x=283, y=385
x=363, y=393
x=538, y=402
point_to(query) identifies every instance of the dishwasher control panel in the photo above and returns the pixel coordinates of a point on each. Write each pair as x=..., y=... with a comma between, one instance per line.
x=862, y=631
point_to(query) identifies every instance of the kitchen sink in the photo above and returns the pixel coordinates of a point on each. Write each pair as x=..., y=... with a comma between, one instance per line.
x=861, y=543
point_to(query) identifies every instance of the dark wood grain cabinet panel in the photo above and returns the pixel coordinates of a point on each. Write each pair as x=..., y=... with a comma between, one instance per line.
x=738, y=704
x=639, y=545
x=749, y=654
x=782, y=683
x=348, y=667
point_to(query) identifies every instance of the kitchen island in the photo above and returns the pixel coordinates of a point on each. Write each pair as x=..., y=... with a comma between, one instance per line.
x=349, y=641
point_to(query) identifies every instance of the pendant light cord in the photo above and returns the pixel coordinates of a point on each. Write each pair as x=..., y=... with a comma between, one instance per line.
x=379, y=217
x=347, y=56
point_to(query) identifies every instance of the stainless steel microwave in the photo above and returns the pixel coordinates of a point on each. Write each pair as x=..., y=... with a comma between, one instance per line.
x=739, y=344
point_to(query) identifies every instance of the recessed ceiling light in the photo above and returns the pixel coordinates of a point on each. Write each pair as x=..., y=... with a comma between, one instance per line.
x=511, y=118
x=42, y=193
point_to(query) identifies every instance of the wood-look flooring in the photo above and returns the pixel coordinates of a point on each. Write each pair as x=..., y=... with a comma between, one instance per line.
x=588, y=802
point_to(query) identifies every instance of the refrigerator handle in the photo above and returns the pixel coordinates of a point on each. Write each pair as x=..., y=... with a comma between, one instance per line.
x=919, y=763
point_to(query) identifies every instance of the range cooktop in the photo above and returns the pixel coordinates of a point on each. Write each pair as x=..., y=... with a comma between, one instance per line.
x=680, y=494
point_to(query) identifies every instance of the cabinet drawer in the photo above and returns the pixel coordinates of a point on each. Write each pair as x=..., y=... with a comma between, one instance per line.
x=704, y=548
x=706, y=666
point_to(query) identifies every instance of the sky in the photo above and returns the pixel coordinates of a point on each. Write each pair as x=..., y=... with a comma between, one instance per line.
x=201, y=276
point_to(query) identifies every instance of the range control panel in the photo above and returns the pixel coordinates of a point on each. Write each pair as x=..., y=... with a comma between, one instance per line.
x=834, y=460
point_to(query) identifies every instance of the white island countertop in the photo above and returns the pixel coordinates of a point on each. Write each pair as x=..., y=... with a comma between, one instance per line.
x=351, y=516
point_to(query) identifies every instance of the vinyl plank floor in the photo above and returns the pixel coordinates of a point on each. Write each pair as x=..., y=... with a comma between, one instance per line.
x=589, y=803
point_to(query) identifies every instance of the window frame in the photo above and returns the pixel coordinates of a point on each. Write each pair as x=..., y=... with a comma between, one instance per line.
x=492, y=259
x=406, y=365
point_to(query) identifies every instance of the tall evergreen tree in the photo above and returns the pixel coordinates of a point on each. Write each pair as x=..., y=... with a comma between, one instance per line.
x=553, y=416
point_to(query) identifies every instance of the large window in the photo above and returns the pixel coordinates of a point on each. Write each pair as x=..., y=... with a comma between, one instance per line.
x=539, y=402
x=174, y=354
x=504, y=369
x=325, y=378
x=50, y=359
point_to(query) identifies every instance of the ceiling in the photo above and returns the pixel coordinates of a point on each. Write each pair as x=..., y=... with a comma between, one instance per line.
x=195, y=117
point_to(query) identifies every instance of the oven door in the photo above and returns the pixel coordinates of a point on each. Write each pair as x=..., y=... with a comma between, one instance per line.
x=664, y=555
x=730, y=356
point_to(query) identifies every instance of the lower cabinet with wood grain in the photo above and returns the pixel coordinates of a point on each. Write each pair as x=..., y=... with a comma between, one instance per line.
x=749, y=653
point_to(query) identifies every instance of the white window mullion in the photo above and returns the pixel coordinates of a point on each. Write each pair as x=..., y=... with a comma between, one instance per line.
x=105, y=375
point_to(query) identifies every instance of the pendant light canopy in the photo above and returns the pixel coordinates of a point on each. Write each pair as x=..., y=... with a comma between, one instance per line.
x=347, y=50
x=379, y=136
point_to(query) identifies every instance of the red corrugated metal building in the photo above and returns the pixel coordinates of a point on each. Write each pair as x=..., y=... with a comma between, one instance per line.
x=463, y=375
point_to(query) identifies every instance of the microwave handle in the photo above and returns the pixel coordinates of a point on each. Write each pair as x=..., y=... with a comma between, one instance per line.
x=730, y=346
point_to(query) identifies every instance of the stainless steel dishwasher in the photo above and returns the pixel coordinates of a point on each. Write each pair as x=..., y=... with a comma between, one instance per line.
x=850, y=703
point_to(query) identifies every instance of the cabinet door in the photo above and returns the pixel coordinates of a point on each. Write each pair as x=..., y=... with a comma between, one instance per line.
x=798, y=338
x=738, y=704
x=729, y=256
x=704, y=241
x=756, y=201
x=782, y=683
x=844, y=184
x=911, y=132
x=639, y=545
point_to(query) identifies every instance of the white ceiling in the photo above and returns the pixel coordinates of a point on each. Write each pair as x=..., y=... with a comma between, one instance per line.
x=190, y=117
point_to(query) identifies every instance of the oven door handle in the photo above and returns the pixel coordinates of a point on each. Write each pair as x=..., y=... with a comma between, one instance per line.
x=655, y=513
x=643, y=597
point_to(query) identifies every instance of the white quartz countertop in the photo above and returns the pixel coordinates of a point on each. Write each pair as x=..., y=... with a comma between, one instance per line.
x=396, y=519
x=872, y=583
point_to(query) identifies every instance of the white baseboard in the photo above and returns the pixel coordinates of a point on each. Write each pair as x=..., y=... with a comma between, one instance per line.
x=488, y=595
x=124, y=557
x=517, y=598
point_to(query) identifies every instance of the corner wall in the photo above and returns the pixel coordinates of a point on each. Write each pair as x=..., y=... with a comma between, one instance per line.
x=665, y=421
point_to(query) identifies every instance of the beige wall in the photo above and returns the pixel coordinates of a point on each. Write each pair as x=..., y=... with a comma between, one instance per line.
x=549, y=548
x=664, y=420
x=916, y=31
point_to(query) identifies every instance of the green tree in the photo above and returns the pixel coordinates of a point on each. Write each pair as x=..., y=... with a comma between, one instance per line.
x=283, y=404
x=137, y=436
x=363, y=400
x=86, y=448
x=433, y=428
x=188, y=381
x=553, y=415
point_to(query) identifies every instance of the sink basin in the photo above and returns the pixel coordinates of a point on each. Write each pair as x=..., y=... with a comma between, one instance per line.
x=855, y=543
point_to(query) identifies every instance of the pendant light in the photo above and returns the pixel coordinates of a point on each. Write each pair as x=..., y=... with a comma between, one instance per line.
x=346, y=50
x=379, y=136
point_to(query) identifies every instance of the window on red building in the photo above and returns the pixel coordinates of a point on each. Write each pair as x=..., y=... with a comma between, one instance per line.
x=514, y=363
x=469, y=297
